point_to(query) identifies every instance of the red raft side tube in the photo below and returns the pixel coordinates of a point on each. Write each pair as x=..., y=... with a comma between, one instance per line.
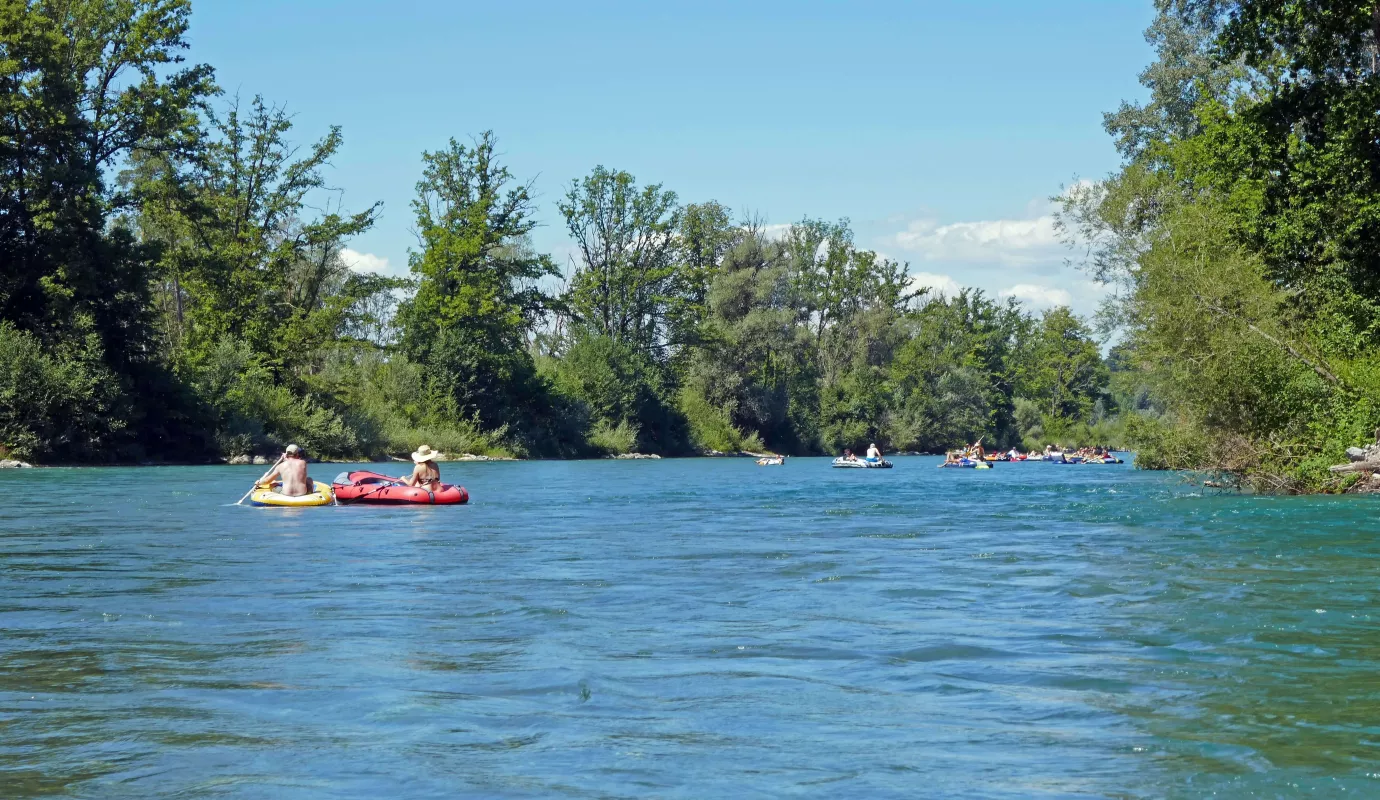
x=372, y=488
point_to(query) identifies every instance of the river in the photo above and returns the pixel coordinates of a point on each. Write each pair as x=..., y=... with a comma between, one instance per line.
x=688, y=628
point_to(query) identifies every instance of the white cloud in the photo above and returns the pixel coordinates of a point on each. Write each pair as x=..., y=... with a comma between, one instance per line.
x=367, y=262
x=776, y=231
x=1039, y=296
x=1002, y=242
x=937, y=284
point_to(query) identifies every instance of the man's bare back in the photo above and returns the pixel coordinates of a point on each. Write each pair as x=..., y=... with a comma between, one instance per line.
x=294, y=475
x=292, y=471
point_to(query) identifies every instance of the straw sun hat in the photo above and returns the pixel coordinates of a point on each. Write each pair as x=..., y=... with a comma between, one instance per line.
x=425, y=453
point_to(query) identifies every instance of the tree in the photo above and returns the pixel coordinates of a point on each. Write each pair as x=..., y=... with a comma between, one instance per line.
x=85, y=83
x=239, y=259
x=1186, y=72
x=742, y=378
x=1066, y=374
x=704, y=236
x=479, y=285
x=955, y=375
x=627, y=247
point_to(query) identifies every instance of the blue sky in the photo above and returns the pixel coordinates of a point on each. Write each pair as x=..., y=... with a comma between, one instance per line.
x=939, y=129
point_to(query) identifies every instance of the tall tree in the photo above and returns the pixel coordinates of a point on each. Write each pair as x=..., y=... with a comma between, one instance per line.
x=1066, y=373
x=627, y=248
x=85, y=82
x=479, y=283
x=704, y=236
x=241, y=257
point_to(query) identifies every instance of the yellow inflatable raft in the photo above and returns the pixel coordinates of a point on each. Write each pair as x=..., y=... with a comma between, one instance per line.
x=265, y=496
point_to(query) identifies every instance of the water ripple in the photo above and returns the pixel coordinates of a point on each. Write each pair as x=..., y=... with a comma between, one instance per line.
x=690, y=628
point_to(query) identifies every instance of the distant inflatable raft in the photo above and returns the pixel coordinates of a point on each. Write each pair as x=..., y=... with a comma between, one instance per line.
x=861, y=463
x=965, y=463
x=266, y=496
x=373, y=488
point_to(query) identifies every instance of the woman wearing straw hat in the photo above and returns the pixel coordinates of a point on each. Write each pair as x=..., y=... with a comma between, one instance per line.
x=425, y=475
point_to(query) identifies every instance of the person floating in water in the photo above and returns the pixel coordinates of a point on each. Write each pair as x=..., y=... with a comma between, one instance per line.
x=292, y=471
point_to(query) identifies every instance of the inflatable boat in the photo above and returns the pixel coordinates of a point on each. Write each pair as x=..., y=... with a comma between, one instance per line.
x=267, y=496
x=861, y=463
x=965, y=463
x=373, y=488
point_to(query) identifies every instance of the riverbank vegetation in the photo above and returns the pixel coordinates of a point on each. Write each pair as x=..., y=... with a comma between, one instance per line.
x=1241, y=234
x=177, y=287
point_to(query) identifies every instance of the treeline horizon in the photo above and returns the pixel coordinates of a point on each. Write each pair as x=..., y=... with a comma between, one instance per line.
x=174, y=293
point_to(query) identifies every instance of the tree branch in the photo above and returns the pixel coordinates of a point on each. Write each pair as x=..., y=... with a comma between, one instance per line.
x=1322, y=371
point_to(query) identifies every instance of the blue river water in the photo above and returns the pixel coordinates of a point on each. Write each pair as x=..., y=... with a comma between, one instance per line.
x=688, y=628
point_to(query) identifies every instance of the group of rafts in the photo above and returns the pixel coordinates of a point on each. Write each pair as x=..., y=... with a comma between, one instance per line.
x=360, y=486
x=974, y=457
x=364, y=487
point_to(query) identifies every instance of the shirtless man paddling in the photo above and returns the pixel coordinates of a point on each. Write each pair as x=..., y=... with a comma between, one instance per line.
x=292, y=471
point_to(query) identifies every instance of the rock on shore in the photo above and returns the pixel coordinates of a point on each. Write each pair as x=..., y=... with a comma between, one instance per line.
x=10, y=463
x=1366, y=461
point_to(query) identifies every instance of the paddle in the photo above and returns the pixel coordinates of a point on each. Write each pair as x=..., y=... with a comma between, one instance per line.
x=262, y=478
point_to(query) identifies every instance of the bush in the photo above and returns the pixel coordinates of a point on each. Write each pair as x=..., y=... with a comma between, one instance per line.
x=58, y=406
x=614, y=440
x=618, y=383
x=711, y=428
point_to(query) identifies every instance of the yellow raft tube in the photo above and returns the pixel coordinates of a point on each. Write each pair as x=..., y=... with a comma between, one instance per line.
x=265, y=496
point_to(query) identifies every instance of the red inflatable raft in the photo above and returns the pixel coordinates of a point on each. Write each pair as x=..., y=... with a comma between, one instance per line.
x=371, y=487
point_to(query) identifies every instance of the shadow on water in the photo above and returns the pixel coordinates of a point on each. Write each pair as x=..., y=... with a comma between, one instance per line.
x=689, y=628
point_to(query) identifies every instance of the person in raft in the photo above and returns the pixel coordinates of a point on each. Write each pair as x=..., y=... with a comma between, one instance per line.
x=425, y=475
x=873, y=454
x=848, y=455
x=292, y=471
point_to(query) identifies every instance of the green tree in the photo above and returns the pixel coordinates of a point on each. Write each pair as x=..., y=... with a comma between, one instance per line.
x=1066, y=373
x=480, y=290
x=626, y=239
x=240, y=258
x=955, y=376
x=86, y=82
x=704, y=236
x=742, y=379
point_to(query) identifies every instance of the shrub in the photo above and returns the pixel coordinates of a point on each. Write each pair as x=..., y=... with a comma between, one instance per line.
x=59, y=406
x=711, y=428
x=614, y=439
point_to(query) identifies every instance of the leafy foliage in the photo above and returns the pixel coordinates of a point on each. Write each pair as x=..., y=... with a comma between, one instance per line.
x=177, y=286
x=1241, y=232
